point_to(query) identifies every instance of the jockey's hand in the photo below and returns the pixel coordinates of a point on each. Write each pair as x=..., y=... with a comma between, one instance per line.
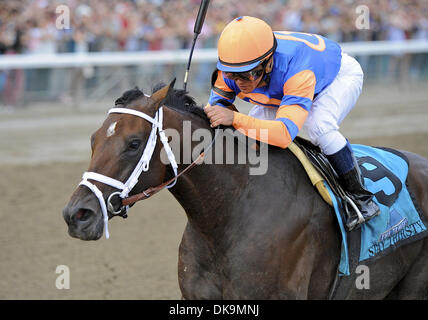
x=219, y=115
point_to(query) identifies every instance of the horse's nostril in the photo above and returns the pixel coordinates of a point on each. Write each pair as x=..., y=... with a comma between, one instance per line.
x=83, y=214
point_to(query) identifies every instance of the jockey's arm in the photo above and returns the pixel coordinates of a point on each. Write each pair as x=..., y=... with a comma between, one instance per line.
x=290, y=117
x=220, y=108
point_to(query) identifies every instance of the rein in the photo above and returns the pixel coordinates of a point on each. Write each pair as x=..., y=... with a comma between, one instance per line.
x=142, y=165
x=152, y=190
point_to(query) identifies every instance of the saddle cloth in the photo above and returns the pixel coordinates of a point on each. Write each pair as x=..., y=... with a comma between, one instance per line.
x=385, y=175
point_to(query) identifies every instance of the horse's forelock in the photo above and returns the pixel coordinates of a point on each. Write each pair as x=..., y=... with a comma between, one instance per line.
x=129, y=96
x=179, y=99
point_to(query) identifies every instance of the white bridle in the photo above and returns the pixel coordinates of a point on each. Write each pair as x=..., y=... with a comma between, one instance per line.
x=142, y=165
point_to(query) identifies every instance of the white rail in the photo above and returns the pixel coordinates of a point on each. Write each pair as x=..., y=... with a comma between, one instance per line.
x=63, y=60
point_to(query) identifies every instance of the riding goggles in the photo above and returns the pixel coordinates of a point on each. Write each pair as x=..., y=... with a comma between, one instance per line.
x=246, y=76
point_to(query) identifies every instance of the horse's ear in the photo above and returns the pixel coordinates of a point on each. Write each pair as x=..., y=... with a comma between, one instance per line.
x=162, y=94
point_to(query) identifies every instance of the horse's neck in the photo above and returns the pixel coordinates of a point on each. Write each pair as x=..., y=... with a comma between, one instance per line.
x=207, y=191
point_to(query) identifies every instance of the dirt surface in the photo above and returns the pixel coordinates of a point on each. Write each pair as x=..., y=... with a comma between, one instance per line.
x=45, y=149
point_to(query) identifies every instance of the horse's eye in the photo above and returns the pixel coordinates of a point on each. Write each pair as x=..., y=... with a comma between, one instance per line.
x=134, y=145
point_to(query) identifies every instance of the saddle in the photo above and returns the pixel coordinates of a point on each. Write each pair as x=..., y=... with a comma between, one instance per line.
x=322, y=174
x=318, y=168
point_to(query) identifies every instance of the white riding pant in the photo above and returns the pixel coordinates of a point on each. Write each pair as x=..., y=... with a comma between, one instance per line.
x=329, y=108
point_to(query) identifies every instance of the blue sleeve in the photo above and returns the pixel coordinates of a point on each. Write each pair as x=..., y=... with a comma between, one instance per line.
x=214, y=98
x=222, y=89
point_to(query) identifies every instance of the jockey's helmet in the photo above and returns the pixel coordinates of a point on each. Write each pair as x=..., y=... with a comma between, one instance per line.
x=244, y=43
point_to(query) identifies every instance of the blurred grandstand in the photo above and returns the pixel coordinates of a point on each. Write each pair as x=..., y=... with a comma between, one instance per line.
x=29, y=28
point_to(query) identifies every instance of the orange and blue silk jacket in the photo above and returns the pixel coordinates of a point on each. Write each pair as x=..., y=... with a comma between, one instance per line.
x=303, y=65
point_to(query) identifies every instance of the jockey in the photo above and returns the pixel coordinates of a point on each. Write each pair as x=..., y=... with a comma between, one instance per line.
x=294, y=80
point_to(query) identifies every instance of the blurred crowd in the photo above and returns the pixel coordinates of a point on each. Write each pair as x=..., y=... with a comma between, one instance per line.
x=51, y=26
x=130, y=25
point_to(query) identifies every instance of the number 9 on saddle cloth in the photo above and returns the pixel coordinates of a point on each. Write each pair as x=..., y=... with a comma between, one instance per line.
x=384, y=172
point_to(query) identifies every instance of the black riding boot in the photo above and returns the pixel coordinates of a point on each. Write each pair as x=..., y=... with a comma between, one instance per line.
x=346, y=167
x=352, y=183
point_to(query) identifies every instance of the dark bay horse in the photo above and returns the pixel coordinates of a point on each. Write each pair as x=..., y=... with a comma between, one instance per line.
x=248, y=236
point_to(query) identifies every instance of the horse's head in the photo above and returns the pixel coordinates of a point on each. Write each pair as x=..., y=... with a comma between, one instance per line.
x=121, y=152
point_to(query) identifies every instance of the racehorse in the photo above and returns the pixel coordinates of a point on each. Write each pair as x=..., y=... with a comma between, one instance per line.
x=247, y=236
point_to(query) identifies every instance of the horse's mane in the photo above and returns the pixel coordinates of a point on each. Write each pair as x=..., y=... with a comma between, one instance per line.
x=178, y=100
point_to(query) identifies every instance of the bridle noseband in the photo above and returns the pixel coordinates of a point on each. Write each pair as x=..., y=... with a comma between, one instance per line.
x=142, y=165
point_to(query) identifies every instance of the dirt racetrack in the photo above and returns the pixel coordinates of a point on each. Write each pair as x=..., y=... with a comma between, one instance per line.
x=45, y=149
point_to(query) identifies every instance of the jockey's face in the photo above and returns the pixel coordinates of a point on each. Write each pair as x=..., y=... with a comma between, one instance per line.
x=247, y=86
